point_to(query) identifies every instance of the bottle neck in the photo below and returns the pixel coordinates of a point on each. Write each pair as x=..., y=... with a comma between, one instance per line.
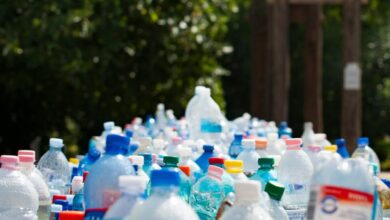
x=164, y=191
x=26, y=168
x=265, y=168
x=9, y=166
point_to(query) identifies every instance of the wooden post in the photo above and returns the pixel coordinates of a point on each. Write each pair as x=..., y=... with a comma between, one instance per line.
x=351, y=102
x=313, y=66
x=278, y=55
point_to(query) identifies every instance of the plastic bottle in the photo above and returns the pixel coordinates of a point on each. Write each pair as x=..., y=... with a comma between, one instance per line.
x=101, y=187
x=138, y=161
x=26, y=164
x=266, y=171
x=158, y=147
x=320, y=140
x=249, y=157
x=78, y=192
x=54, y=166
x=235, y=169
x=32, y=153
x=149, y=164
x=173, y=147
x=235, y=147
x=273, y=145
x=19, y=199
x=366, y=152
x=327, y=154
x=284, y=130
x=203, y=159
x=312, y=151
x=108, y=129
x=207, y=194
x=86, y=163
x=261, y=147
x=161, y=118
x=185, y=160
x=308, y=136
x=227, y=180
x=171, y=163
x=193, y=101
x=132, y=187
x=294, y=172
x=164, y=202
x=246, y=206
x=341, y=148
x=342, y=191
x=275, y=191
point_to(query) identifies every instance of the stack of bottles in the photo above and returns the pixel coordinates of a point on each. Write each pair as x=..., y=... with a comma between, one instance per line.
x=199, y=167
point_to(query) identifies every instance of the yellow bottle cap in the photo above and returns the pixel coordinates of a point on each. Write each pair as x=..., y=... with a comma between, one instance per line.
x=331, y=148
x=74, y=161
x=234, y=166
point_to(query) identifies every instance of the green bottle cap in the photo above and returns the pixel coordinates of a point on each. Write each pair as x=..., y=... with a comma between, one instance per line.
x=275, y=190
x=266, y=162
x=171, y=161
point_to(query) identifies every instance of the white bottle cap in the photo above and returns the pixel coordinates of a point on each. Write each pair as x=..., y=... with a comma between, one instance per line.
x=247, y=191
x=109, y=125
x=56, y=142
x=160, y=106
x=308, y=125
x=132, y=184
x=137, y=160
x=77, y=183
x=249, y=143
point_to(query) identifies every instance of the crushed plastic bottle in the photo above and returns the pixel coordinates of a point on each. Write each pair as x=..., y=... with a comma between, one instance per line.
x=275, y=191
x=54, y=166
x=249, y=157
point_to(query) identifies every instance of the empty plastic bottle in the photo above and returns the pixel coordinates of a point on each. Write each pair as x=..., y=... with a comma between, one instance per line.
x=186, y=160
x=19, y=199
x=249, y=157
x=235, y=147
x=132, y=188
x=171, y=163
x=161, y=118
x=26, y=164
x=308, y=136
x=207, y=194
x=101, y=187
x=284, y=130
x=261, y=147
x=327, y=154
x=193, y=101
x=86, y=163
x=235, y=169
x=294, y=172
x=203, y=159
x=266, y=171
x=275, y=191
x=164, y=202
x=320, y=140
x=312, y=151
x=341, y=148
x=54, y=166
x=247, y=203
x=366, y=152
x=78, y=192
x=227, y=180
x=274, y=147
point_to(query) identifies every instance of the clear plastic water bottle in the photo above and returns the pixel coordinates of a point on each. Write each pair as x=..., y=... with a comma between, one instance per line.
x=274, y=147
x=164, y=202
x=203, y=159
x=161, y=118
x=308, y=136
x=227, y=180
x=342, y=191
x=235, y=147
x=132, y=188
x=171, y=163
x=86, y=163
x=365, y=151
x=186, y=160
x=261, y=147
x=27, y=167
x=101, y=187
x=284, y=130
x=249, y=157
x=312, y=151
x=207, y=194
x=19, y=199
x=78, y=192
x=275, y=191
x=247, y=203
x=173, y=147
x=341, y=148
x=193, y=101
x=327, y=154
x=54, y=166
x=235, y=169
x=294, y=172
x=266, y=171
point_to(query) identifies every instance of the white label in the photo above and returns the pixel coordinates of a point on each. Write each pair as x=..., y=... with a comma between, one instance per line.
x=352, y=76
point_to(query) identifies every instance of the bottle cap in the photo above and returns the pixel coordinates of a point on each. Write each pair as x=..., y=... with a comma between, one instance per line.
x=234, y=166
x=331, y=148
x=275, y=190
x=261, y=143
x=247, y=191
x=216, y=160
x=108, y=125
x=164, y=177
x=160, y=106
x=340, y=142
x=129, y=133
x=248, y=143
x=319, y=137
x=55, y=208
x=314, y=148
x=56, y=142
x=170, y=160
x=186, y=170
x=266, y=162
x=26, y=159
x=136, y=160
x=94, y=153
x=132, y=184
x=71, y=215
x=208, y=148
x=238, y=136
x=27, y=152
x=363, y=141
x=148, y=158
x=116, y=143
x=58, y=197
x=74, y=161
x=198, y=89
x=77, y=183
x=293, y=143
x=9, y=162
x=215, y=172
x=283, y=124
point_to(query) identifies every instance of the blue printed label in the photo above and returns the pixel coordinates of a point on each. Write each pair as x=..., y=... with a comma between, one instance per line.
x=209, y=126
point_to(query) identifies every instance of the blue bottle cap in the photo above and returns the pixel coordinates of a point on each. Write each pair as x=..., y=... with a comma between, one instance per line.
x=362, y=141
x=129, y=133
x=340, y=142
x=94, y=153
x=208, y=148
x=116, y=143
x=283, y=124
x=238, y=136
x=165, y=178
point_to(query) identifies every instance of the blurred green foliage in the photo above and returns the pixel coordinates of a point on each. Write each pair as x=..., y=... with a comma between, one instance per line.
x=68, y=66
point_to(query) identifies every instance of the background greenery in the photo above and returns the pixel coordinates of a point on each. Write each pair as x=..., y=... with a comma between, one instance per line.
x=68, y=66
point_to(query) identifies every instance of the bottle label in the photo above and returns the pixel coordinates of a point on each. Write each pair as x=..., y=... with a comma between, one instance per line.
x=336, y=203
x=209, y=126
x=295, y=188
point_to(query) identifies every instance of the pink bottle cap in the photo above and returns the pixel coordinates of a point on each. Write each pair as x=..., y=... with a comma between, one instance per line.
x=27, y=152
x=314, y=148
x=293, y=143
x=9, y=162
x=26, y=158
x=215, y=172
x=176, y=140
